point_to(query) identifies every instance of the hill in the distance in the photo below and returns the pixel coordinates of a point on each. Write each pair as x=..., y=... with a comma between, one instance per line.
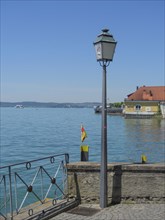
x=50, y=104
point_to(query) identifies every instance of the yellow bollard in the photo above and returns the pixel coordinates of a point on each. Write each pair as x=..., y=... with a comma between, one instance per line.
x=143, y=158
x=84, y=153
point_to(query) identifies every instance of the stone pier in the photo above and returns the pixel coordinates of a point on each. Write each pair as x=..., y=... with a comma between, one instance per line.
x=127, y=183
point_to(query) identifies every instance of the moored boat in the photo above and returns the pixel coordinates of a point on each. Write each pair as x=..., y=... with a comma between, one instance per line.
x=110, y=110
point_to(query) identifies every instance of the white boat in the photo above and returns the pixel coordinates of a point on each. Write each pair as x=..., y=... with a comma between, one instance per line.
x=19, y=106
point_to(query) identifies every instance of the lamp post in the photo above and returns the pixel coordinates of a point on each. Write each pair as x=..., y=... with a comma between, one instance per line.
x=105, y=48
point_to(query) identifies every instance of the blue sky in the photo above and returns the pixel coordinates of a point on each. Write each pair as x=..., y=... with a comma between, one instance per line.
x=47, y=51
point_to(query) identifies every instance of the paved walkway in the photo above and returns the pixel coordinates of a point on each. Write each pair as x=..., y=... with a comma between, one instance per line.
x=116, y=212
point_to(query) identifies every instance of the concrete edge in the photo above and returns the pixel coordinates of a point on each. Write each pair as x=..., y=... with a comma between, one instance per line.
x=95, y=167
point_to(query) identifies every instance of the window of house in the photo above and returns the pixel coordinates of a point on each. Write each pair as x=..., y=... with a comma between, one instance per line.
x=138, y=107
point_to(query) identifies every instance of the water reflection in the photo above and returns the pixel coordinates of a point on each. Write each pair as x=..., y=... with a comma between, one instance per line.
x=145, y=136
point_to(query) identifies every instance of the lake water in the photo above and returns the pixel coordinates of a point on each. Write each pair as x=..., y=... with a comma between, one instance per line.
x=30, y=133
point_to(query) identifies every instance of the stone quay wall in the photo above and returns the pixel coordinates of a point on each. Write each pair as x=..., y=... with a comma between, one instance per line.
x=127, y=183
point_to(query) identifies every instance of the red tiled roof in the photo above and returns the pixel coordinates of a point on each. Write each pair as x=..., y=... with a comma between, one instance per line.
x=149, y=93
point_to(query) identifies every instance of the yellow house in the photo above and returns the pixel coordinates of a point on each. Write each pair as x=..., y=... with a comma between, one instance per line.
x=144, y=102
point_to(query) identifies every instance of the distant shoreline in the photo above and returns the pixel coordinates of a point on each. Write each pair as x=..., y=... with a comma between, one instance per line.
x=49, y=104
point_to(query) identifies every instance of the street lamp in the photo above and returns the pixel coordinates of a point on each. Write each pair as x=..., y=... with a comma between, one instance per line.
x=105, y=48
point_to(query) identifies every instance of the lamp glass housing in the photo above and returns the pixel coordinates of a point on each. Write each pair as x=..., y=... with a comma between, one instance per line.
x=105, y=46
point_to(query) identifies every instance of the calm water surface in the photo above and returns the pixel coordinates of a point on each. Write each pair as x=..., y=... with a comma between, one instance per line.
x=31, y=133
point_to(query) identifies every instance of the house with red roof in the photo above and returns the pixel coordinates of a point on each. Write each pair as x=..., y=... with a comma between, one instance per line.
x=145, y=102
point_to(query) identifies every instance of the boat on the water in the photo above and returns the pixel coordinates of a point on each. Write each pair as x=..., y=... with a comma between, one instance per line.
x=110, y=110
x=19, y=106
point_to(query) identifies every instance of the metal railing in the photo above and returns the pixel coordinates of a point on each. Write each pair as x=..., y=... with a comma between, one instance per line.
x=33, y=188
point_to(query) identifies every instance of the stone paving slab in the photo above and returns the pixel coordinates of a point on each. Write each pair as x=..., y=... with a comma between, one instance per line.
x=119, y=212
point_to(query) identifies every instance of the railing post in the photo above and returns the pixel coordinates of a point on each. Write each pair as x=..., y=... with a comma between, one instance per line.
x=10, y=193
x=5, y=195
x=66, y=158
